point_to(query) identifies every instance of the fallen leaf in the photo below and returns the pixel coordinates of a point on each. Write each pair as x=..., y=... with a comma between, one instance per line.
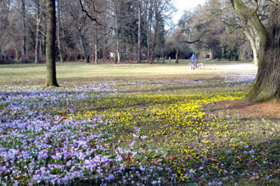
x=173, y=158
x=253, y=178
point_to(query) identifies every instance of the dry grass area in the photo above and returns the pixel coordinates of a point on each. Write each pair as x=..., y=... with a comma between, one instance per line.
x=246, y=109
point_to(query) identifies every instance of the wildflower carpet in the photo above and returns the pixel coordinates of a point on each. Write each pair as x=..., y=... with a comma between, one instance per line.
x=161, y=129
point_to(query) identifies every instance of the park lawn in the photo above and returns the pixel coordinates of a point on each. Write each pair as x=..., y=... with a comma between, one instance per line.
x=134, y=124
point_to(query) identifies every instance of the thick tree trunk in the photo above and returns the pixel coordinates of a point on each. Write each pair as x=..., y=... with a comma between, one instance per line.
x=50, y=44
x=267, y=84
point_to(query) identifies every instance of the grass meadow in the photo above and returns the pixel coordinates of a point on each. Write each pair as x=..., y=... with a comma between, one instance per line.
x=132, y=124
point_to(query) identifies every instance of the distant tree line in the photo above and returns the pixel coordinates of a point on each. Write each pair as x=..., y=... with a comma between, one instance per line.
x=135, y=30
x=88, y=30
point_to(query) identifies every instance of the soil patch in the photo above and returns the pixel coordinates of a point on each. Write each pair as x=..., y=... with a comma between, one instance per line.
x=243, y=109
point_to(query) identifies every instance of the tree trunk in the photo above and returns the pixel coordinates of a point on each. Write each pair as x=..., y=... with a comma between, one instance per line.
x=149, y=28
x=139, y=33
x=250, y=16
x=17, y=54
x=134, y=48
x=118, y=47
x=104, y=46
x=37, y=44
x=253, y=46
x=61, y=53
x=50, y=45
x=162, y=51
x=148, y=44
x=177, y=53
x=83, y=47
x=117, y=9
x=23, y=47
x=267, y=84
x=95, y=52
x=163, y=60
x=154, y=40
x=212, y=51
x=43, y=38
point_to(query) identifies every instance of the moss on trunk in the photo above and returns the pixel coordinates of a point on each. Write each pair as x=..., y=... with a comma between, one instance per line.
x=267, y=83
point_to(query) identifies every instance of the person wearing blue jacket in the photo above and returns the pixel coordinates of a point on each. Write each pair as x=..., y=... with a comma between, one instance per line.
x=193, y=60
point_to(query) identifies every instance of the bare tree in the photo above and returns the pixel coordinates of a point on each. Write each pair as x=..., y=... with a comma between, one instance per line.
x=59, y=39
x=23, y=12
x=81, y=24
x=139, y=32
x=38, y=4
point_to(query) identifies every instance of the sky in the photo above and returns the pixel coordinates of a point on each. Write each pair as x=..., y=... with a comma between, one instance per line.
x=182, y=5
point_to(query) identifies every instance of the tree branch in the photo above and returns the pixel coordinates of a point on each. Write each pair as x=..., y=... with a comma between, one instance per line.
x=275, y=1
x=88, y=15
x=191, y=42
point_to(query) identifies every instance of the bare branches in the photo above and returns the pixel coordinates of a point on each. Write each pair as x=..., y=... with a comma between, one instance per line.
x=275, y=1
x=88, y=15
x=191, y=42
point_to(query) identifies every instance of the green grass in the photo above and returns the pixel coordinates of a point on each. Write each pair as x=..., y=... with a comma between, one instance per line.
x=151, y=115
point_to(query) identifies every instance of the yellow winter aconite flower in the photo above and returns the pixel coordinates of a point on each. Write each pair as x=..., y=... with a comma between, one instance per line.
x=175, y=123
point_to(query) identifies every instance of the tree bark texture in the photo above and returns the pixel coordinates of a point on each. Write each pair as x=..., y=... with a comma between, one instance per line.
x=250, y=16
x=50, y=44
x=267, y=84
x=253, y=46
